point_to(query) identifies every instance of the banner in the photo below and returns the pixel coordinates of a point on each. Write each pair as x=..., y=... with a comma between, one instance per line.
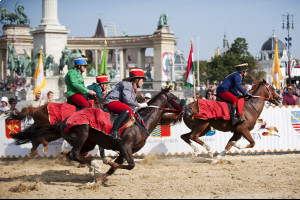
x=276, y=130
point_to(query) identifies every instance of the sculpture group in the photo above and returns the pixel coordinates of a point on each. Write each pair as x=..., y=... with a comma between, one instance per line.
x=17, y=18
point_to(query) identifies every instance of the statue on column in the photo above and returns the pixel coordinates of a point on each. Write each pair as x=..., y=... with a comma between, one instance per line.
x=22, y=17
x=163, y=20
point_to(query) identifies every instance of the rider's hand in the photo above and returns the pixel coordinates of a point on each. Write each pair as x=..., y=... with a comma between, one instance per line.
x=92, y=92
x=142, y=105
x=248, y=95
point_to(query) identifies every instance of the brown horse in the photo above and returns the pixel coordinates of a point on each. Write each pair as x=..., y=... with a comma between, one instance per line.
x=253, y=107
x=83, y=138
x=40, y=116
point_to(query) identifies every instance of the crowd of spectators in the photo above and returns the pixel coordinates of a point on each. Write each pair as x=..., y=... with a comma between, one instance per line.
x=289, y=94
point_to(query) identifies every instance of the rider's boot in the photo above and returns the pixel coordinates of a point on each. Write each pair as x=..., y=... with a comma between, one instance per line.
x=119, y=122
x=235, y=117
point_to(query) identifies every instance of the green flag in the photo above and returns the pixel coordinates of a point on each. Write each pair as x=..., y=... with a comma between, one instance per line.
x=103, y=66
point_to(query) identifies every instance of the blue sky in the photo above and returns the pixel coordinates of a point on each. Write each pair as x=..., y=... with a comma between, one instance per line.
x=253, y=20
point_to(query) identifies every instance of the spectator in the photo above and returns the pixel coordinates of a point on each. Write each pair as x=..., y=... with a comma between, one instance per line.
x=209, y=95
x=147, y=97
x=38, y=101
x=290, y=98
x=4, y=106
x=65, y=99
x=49, y=98
x=13, y=103
x=199, y=96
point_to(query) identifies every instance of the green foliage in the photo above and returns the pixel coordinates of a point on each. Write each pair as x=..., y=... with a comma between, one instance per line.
x=222, y=66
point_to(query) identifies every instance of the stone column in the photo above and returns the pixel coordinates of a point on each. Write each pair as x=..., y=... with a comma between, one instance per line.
x=50, y=34
x=122, y=64
x=49, y=12
x=164, y=47
x=141, y=59
x=1, y=66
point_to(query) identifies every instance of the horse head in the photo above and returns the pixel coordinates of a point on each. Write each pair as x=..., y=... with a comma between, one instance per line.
x=266, y=91
x=170, y=104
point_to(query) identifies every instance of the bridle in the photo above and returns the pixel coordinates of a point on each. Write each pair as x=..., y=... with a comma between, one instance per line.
x=270, y=92
x=177, y=107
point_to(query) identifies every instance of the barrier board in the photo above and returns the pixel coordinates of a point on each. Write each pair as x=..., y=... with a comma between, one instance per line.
x=276, y=130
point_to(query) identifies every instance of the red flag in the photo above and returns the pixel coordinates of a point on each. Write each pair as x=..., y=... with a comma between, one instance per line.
x=12, y=127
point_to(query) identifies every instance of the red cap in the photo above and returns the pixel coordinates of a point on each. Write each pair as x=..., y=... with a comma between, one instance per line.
x=102, y=79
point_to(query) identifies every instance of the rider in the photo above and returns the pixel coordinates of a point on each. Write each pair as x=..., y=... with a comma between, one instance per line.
x=100, y=87
x=75, y=84
x=230, y=88
x=122, y=99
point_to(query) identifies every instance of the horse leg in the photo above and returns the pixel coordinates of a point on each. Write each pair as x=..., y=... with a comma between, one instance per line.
x=247, y=135
x=79, y=136
x=186, y=138
x=126, y=151
x=206, y=146
x=34, y=150
x=236, y=136
x=120, y=160
x=45, y=144
x=198, y=132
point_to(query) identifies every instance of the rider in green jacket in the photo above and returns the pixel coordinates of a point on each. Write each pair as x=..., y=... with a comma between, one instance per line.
x=75, y=84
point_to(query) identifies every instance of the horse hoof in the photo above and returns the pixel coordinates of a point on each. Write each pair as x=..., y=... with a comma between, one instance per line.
x=210, y=154
x=195, y=155
x=215, y=161
x=106, y=160
x=90, y=184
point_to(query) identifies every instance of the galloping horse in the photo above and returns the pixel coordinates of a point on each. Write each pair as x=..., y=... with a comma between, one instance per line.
x=261, y=92
x=40, y=116
x=83, y=138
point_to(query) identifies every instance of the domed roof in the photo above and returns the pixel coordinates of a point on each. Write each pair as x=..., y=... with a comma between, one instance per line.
x=269, y=45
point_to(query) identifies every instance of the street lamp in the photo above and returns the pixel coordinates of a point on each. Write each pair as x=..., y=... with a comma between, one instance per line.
x=288, y=39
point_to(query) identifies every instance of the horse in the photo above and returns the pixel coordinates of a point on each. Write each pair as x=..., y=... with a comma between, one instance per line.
x=253, y=107
x=40, y=116
x=83, y=138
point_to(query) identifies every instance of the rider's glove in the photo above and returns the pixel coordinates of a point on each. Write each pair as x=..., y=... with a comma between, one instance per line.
x=248, y=95
x=143, y=105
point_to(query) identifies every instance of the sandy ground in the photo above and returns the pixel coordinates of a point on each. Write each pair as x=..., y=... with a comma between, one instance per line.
x=263, y=176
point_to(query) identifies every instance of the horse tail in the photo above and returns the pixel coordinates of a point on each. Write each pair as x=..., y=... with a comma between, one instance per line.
x=34, y=131
x=26, y=113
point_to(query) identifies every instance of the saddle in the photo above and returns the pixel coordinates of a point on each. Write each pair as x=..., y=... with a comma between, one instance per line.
x=91, y=102
x=114, y=116
x=229, y=104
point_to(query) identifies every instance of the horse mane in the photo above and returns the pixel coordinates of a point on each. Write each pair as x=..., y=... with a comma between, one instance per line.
x=171, y=121
x=26, y=113
x=255, y=86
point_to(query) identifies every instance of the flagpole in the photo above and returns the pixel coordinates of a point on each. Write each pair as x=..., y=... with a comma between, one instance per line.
x=194, y=79
x=41, y=50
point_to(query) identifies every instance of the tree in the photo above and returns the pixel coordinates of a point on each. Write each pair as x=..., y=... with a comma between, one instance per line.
x=222, y=66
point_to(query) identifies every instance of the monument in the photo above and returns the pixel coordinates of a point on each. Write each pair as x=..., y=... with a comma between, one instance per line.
x=50, y=34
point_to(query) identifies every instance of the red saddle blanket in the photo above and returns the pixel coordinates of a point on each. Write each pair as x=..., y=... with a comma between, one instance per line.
x=97, y=118
x=60, y=111
x=216, y=109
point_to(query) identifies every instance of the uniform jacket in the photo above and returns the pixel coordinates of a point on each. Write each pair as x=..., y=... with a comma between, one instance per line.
x=233, y=84
x=96, y=89
x=123, y=92
x=75, y=83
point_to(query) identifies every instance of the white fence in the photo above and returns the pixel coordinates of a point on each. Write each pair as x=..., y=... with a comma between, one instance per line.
x=277, y=130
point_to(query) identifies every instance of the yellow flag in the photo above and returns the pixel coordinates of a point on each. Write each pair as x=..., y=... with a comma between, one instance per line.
x=276, y=71
x=40, y=81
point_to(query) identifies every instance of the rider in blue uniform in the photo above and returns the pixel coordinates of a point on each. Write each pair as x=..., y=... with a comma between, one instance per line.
x=231, y=88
